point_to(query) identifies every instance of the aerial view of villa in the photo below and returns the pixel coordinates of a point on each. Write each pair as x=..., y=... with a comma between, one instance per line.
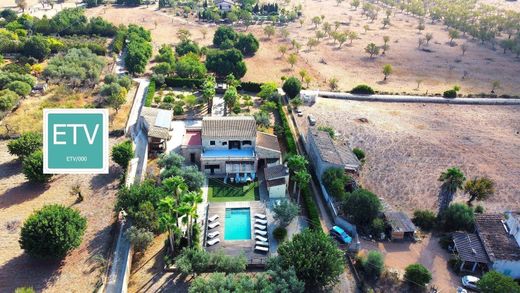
x=282, y=146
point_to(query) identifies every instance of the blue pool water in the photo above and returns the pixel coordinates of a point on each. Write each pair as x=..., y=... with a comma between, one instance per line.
x=238, y=224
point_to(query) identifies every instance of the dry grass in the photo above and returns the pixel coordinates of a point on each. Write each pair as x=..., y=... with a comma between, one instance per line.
x=78, y=272
x=409, y=145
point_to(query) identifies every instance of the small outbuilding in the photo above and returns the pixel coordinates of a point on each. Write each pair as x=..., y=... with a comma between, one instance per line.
x=471, y=251
x=156, y=123
x=401, y=227
x=277, y=180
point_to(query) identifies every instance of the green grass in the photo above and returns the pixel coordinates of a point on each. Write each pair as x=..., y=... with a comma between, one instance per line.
x=220, y=192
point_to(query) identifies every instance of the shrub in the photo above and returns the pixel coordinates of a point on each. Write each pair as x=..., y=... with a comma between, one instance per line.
x=289, y=138
x=360, y=154
x=335, y=181
x=37, y=47
x=8, y=99
x=19, y=87
x=311, y=209
x=377, y=227
x=52, y=232
x=24, y=290
x=280, y=233
x=139, y=238
x=425, y=219
x=451, y=93
x=178, y=110
x=417, y=275
x=25, y=145
x=150, y=92
x=168, y=99
x=32, y=168
x=458, y=216
x=77, y=67
x=373, y=265
x=262, y=118
x=494, y=281
x=363, y=89
x=250, y=86
x=329, y=130
x=479, y=209
x=285, y=212
x=292, y=87
x=122, y=153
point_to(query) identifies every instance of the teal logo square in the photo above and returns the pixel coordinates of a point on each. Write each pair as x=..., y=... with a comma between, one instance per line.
x=75, y=141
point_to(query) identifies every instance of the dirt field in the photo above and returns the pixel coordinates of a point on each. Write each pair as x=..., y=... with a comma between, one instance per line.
x=78, y=272
x=438, y=70
x=409, y=145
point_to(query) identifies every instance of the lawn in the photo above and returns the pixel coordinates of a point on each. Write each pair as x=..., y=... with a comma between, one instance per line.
x=218, y=191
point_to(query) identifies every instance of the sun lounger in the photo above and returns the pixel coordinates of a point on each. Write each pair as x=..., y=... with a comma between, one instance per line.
x=213, y=234
x=260, y=216
x=263, y=233
x=213, y=241
x=260, y=238
x=260, y=227
x=262, y=243
x=213, y=225
x=263, y=222
x=261, y=248
x=213, y=218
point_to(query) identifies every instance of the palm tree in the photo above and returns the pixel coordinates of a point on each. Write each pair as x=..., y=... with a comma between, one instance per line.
x=296, y=163
x=479, y=189
x=188, y=207
x=168, y=221
x=176, y=187
x=452, y=180
x=301, y=178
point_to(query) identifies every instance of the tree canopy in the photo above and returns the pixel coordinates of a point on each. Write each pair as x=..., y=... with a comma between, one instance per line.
x=25, y=145
x=32, y=167
x=417, y=275
x=52, y=232
x=77, y=67
x=225, y=62
x=292, y=87
x=458, y=216
x=362, y=207
x=122, y=153
x=495, y=282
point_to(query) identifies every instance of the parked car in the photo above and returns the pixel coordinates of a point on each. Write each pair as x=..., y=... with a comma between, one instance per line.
x=299, y=112
x=470, y=282
x=461, y=290
x=340, y=235
x=312, y=120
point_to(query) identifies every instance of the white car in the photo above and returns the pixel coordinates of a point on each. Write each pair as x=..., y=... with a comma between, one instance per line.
x=470, y=282
x=461, y=290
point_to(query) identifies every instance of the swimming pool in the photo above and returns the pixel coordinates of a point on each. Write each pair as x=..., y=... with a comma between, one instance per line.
x=238, y=224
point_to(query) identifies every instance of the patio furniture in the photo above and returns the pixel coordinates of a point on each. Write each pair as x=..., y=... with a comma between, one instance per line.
x=260, y=216
x=213, y=241
x=213, y=234
x=262, y=248
x=213, y=225
x=263, y=222
x=262, y=243
x=260, y=227
x=263, y=233
x=260, y=238
x=213, y=218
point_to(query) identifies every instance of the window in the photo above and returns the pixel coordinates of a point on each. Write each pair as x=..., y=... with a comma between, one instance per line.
x=224, y=143
x=211, y=142
x=246, y=142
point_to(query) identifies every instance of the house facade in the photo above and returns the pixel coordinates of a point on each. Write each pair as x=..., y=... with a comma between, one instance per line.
x=224, y=5
x=232, y=148
x=277, y=180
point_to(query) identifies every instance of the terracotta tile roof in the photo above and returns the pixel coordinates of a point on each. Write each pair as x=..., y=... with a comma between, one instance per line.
x=192, y=138
x=229, y=127
x=276, y=171
x=267, y=141
x=498, y=243
x=469, y=247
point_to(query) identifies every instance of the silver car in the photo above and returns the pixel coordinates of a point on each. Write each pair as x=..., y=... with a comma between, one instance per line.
x=470, y=282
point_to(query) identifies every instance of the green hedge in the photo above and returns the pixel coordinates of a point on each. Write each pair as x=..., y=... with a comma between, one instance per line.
x=183, y=82
x=289, y=138
x=363, y=89
x=312, y=210
x=250, y=86
x=150, y=92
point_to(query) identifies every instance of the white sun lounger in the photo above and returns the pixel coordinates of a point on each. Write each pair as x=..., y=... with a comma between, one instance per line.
x=213, y=218
x=213, y=225
x=213, y=241
x=260, y=238
x=263, y=222
x=261, y=248
x=260, y=227
x=263, y=233
x=262, y=243
x=260, y=216
x=213, y=234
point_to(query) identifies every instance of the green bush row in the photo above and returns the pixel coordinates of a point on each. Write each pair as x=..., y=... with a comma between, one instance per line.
x=183, y=82
x=150, y=92
x=250, y=86
x=289, y=138
x=312, y=210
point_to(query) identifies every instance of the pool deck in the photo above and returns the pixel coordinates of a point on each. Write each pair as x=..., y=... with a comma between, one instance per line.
x=236, y=247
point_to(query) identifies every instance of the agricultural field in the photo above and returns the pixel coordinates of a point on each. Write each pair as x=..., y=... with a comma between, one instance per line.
x=435, y=67
x=82, y=269
x=409, y=145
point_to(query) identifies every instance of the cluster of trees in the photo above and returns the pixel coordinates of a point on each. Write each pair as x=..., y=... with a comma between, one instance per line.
x=28, y=149
x=173, y=166
x=14, y=84
x=187, y=64
x=226, y=37
x=337, y=183
x=115, y=90
x=249, y=11
x=197, y=261
x=78, y=67
x=138, y=49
